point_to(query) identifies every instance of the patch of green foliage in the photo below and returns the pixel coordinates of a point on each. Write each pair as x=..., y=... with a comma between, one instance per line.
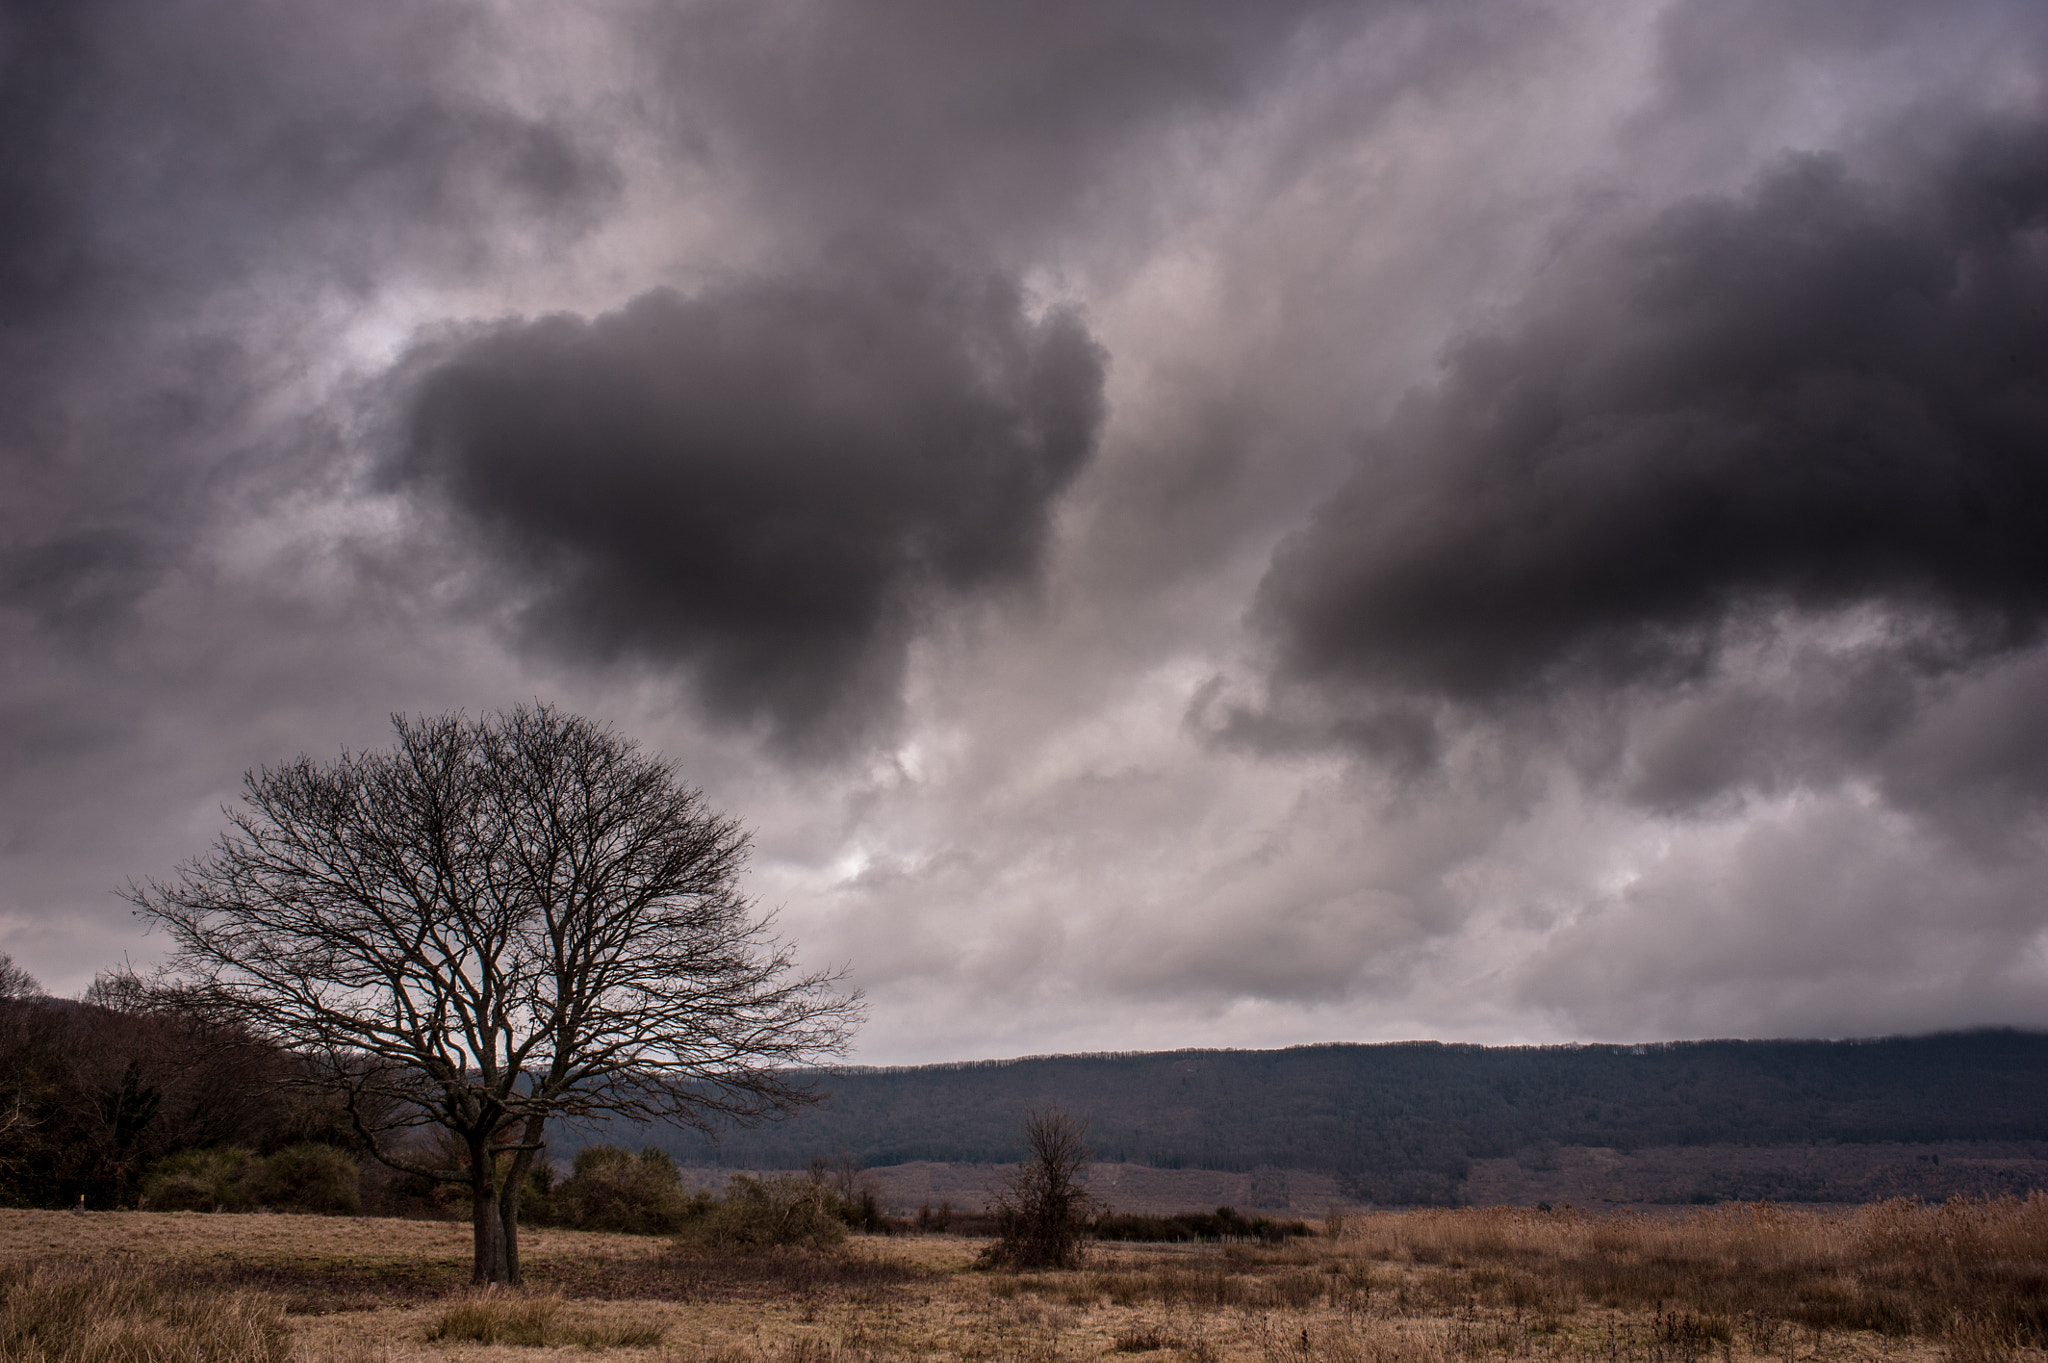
x=299, y=1178
x=612, y=1190
x=786, y=1212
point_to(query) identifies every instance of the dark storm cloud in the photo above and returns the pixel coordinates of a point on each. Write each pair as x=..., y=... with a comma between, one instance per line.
x=251, y=252
x=78, y=581
x=170, y=148
x=1820, y=394
x=770, y=480
x=173, y=177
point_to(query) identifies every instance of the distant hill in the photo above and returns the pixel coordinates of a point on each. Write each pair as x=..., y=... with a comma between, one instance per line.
x=1405, y=1122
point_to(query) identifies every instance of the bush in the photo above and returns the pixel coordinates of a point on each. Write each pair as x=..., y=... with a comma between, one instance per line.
x=199, y=1181
x=1152, y=1229
x=611, y=1190
x=862, y=1213
x=299, y=1178
x=1042, y=1215
x=1225, y=1223
x=771, y=1213
x=306, y=1178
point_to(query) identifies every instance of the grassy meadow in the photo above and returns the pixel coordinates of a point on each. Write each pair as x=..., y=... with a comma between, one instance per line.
x=1962, y=1282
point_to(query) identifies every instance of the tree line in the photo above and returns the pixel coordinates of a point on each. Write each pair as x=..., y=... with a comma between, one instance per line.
x=96, y=1092
x=1402, y=1122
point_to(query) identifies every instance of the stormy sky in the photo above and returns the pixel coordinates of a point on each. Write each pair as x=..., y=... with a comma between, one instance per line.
x=1176, y=524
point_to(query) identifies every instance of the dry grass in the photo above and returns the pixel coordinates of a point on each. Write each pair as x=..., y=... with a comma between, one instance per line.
x=96, y=1313
x=537, y=1322
x=1965, y=1282
x=1896, y=1269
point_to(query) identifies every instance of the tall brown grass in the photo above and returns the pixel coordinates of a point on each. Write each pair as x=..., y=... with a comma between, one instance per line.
x=1971, y=1276
x=535, y=1321
x=1973, y=1271
x=1902, y=1282
x=52, y=1313
x=1961, y=1230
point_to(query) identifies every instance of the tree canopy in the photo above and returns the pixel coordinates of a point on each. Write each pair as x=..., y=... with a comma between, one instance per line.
x=497, y=922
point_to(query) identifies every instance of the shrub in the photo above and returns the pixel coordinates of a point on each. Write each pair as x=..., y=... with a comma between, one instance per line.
x=1042, y=1215
x=612, y=1190
x=199, y=1181
x=1227, y=1223
x=93, y=1314
x=306, y=1178
x=784, y=1212
x=301, y=1178
x=1152, y=1229
x=862, y=1213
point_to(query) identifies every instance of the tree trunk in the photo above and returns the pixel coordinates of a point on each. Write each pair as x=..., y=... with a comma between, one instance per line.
x=490, y=1229
x=508, y=1200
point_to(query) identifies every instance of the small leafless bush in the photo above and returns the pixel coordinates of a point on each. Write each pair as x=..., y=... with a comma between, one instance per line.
x=1042, y=1213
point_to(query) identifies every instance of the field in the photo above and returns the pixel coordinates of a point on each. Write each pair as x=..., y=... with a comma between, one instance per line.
x=1587, y=1176
x=1964, y=1282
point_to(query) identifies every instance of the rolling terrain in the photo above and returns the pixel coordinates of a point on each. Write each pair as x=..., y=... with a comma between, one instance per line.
x=1427, y=1123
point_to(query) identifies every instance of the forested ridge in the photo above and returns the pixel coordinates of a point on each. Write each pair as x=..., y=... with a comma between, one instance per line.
x=94, y=1093
x=1411, y=1116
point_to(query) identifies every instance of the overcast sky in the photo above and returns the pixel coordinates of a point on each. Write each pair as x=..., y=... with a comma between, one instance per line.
x=1198, y=523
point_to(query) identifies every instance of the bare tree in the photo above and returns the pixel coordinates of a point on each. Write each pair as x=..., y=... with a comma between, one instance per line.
x=1042, y=1212
x=495, y=923
x=16, y=983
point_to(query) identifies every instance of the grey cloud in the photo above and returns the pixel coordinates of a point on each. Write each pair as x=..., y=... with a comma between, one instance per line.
x=785, y=492
x=155, y=148
x=766, y=482
x=988, y=125
x=77, y=582
x=1823, y=917
x=175, y=179
x=194, y=197
x=1711, y=80
x=1819, y=394
x=1982, y=750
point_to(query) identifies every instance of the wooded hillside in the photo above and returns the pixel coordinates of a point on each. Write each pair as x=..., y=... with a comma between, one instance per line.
x=1403, y=1122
